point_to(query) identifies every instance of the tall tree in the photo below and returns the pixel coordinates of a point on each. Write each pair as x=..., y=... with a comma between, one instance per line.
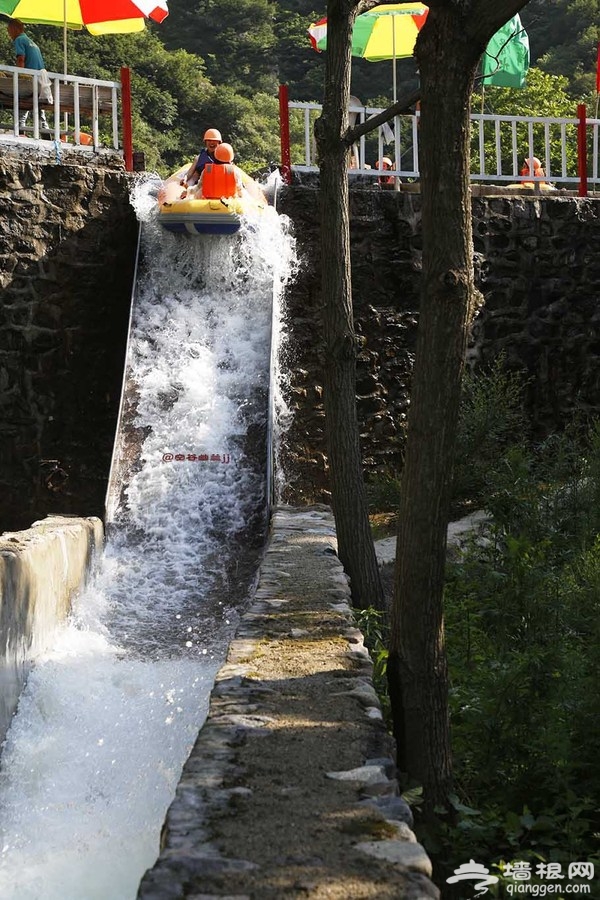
x=448, y=51
x=355, y=544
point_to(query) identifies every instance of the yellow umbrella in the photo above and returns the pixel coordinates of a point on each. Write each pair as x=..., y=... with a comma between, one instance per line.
x=388, y=31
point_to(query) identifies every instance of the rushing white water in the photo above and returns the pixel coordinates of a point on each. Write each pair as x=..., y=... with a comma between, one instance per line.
x=108, y=717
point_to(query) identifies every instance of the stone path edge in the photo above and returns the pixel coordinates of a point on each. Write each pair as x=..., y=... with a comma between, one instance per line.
x=190, y=860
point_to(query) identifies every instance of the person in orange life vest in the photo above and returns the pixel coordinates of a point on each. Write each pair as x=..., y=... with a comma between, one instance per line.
x=212, y=139
x=385, y=164
x=533, y=166
x=221, y=178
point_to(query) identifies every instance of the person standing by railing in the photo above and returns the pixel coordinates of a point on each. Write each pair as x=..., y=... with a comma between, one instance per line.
x=385, y=164
x=27, y=56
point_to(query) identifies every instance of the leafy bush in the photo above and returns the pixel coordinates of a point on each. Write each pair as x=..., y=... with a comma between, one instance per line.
x=522, y=604
x=383, y=492
x=374, y=625
x=491, y=418
x=523, y=629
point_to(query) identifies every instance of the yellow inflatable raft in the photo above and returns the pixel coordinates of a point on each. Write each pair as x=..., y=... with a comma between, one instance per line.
x=181, y=210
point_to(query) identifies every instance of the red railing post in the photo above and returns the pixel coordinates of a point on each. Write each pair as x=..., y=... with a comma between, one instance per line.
x=284, y=131
x=126, y=112
x=582, y=149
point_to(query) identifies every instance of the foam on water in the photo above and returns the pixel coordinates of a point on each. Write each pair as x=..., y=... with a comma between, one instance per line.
x=109, y=716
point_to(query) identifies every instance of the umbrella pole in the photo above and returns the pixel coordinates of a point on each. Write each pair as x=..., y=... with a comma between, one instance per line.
x=396, y=161
x=65, y=35
x=66, y=119
x=394, y=55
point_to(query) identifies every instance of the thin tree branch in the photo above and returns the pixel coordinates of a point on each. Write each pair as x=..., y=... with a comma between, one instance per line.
x=401, y=106
x=496, y=58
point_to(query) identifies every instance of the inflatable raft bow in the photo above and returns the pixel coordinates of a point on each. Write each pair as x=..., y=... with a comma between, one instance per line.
x=195, y=214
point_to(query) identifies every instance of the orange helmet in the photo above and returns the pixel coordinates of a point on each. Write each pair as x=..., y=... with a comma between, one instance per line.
x=224, y=153
x=212, y=135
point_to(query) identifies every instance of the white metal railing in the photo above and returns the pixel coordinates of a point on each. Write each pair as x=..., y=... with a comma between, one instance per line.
x=76, y=101
x=499, y=145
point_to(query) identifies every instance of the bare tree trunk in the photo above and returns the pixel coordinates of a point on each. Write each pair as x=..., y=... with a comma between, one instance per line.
x=448, y=52
x=417, y=665
x=355, y=543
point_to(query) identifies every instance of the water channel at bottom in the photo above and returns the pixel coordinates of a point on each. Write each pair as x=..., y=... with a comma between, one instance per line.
x=109, y=715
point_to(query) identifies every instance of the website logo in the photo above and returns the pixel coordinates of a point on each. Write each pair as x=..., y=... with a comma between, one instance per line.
x=473, y=871
x=541, y=879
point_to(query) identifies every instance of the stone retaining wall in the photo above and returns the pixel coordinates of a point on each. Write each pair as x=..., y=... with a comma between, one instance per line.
x=67, y=251
x=538, y=268
x=41, y=569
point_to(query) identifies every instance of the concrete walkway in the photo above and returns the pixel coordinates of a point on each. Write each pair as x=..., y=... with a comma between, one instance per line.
x=289, y=791
x=385, y=549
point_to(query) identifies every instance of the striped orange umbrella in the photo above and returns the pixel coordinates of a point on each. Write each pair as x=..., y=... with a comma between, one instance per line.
x=97, y=16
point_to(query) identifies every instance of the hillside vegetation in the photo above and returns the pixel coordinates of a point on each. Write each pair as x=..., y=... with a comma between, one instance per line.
x=220, y=63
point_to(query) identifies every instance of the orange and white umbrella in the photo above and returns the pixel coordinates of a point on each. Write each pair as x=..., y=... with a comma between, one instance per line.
x=97, y=16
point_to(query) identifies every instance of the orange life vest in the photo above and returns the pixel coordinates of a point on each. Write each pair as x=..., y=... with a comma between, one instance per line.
x=218, y=181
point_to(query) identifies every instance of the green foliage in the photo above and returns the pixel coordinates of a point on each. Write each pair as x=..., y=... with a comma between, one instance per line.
x=235, y=38
x=374, y=625
x=219, y=64
x=564, y=40
x=544, y=95
x=383, y=492
x=299, y=66
x=166, y=87
x=249, y=125
x=522, y=622
x=522, y=618
x=491, y=418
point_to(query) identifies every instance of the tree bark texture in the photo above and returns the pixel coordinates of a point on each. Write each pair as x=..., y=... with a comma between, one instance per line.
x=355, y=543
x=447, y=53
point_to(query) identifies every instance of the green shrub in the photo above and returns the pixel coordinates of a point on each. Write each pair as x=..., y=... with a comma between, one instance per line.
x=491, y=418
x=522, y=610
x=523, y=628
x=374, y=625
x=383, y=492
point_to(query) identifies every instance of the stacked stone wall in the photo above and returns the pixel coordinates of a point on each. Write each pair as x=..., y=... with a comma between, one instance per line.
x=538, y=267
x=67, y=250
